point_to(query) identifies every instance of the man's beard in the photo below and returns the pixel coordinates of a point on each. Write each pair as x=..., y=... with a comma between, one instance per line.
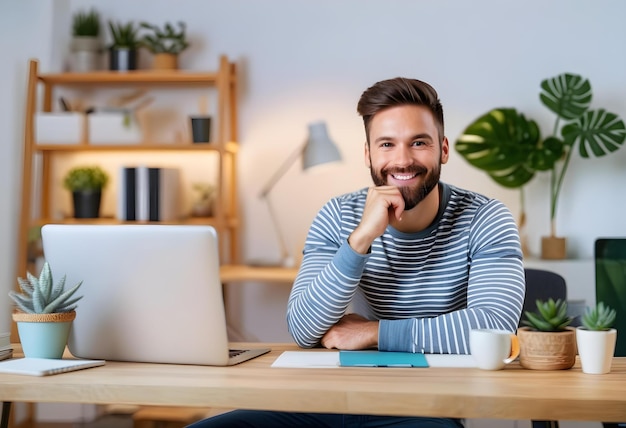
x=412, y=195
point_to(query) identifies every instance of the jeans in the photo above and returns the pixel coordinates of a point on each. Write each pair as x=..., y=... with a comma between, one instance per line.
x=269, y=419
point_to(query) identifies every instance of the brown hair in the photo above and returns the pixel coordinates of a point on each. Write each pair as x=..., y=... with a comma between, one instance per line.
x=396, y=92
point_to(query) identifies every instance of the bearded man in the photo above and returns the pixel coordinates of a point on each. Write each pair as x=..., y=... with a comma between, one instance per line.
x=410, y=264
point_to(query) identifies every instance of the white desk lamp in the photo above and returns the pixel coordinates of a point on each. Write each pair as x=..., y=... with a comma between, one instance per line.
x=318, y=149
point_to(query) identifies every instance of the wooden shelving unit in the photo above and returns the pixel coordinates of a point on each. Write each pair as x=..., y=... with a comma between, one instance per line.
x=43, y=86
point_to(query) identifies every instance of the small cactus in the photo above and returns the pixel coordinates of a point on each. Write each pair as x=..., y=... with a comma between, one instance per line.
x=41, y=296
x=600, y=317
x=550, y=316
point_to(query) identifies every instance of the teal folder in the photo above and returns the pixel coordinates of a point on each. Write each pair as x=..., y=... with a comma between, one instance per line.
x=381, y=359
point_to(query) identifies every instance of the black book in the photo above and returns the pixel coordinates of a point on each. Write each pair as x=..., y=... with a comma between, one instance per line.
x=130, y=194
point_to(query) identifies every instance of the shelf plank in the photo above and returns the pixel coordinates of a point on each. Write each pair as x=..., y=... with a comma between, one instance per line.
x=230, y=147
x=231, y=222
x=124, y=147
x=136, y=77
x=239, y=273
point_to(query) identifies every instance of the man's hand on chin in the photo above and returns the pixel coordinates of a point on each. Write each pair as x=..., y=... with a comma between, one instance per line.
x=352, y=332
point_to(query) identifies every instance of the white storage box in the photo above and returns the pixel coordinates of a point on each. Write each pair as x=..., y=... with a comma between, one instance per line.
x=58, y=128
x=112, y=128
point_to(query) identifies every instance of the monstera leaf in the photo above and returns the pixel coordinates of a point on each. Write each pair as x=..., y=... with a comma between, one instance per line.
x=568, y=95
x=597, y=131
x=507, y=146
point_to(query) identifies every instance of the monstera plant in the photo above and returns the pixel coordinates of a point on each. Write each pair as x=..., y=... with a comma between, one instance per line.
x=510, y=149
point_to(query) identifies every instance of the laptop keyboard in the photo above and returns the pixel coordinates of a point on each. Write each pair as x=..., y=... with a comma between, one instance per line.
x=234, y=352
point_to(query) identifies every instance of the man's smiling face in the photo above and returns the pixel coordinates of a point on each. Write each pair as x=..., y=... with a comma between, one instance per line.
x=404, y=151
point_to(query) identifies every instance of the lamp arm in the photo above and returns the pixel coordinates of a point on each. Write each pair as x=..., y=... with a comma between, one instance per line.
x=285, y=257
x=282, y=170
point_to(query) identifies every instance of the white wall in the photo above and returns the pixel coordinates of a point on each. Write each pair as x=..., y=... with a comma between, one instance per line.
x=303, y=61
x=27, y=29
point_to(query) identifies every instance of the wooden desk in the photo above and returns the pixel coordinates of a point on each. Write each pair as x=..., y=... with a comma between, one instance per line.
x=512, y=393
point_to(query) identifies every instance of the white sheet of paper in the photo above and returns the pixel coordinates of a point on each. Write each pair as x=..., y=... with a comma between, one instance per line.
x=307, y=359
x=330, y=359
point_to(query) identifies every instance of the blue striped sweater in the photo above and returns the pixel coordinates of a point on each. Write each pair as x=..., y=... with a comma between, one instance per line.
x=428, y=289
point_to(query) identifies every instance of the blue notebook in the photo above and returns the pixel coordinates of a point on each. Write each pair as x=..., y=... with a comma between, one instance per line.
x=381, y=359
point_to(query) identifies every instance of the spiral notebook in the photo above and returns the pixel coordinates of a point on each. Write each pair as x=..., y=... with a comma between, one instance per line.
x=46, y=366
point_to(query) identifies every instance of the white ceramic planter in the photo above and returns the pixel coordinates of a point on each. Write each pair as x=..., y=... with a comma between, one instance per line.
x=596, y=349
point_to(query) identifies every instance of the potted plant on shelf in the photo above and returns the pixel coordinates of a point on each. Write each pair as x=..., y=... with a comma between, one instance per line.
x=203, y=205
x=511, y=150
x=44, y=313
x=85, y=44
x=547, y=342
x=86, y=184
x=596, y=339
x=165, y=44
x=123, y=50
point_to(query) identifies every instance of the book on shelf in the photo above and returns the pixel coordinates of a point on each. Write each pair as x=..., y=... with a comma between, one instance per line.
x=148, y=194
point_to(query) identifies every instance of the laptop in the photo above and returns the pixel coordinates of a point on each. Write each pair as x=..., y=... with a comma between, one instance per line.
x=610, y=263
x=151, y=293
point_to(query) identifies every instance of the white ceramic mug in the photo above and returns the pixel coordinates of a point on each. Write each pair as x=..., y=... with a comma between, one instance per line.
x=493, y=349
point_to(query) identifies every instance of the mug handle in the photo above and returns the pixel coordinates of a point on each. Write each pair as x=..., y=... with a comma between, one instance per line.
x=514, y=349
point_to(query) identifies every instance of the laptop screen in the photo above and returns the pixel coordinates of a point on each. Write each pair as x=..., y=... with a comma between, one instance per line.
x=151, y=293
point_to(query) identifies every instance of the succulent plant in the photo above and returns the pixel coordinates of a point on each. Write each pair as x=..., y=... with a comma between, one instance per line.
x=124, y=35
x=599, y=317
x=167, y=40
x=550, y=316
x=42, y=296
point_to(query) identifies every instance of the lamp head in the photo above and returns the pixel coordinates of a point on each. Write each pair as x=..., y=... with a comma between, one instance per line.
x=319, y=148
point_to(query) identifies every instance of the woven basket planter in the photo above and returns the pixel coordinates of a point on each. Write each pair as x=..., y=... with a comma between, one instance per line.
x=541, y=350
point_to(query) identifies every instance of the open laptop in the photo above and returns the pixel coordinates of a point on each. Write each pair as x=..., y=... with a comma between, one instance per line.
x=151, y=293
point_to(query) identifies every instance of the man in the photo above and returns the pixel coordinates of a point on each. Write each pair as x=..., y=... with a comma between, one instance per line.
x=419, y=262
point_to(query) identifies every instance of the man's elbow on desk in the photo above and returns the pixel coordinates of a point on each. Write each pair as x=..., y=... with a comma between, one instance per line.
x=352, y=332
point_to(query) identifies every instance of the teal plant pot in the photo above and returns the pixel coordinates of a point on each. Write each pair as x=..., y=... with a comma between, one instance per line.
x=44, y=335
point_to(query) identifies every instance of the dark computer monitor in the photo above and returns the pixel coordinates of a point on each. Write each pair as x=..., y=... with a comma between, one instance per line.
x=610, y=262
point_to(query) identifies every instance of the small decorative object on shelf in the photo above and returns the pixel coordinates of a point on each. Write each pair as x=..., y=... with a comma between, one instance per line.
x=44, y=313
x=547, y=342
x=596, y=339
x=509, y=147
x=165, y=44
x=86, y=184
x=85, y=45
x=203, y=205
x=123, y=50
x=201, y=123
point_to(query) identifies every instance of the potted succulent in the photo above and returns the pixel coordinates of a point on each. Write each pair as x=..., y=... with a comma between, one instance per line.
x=596, y=339
x=546, y=340
x=511, y=150
x=85, y=45
x=165, y=44
x=123, y=50
x=44, y=313
x=86, y=184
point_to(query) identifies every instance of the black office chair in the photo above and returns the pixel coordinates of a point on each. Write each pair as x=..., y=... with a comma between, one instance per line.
x=542, y=285
x=610, y=264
